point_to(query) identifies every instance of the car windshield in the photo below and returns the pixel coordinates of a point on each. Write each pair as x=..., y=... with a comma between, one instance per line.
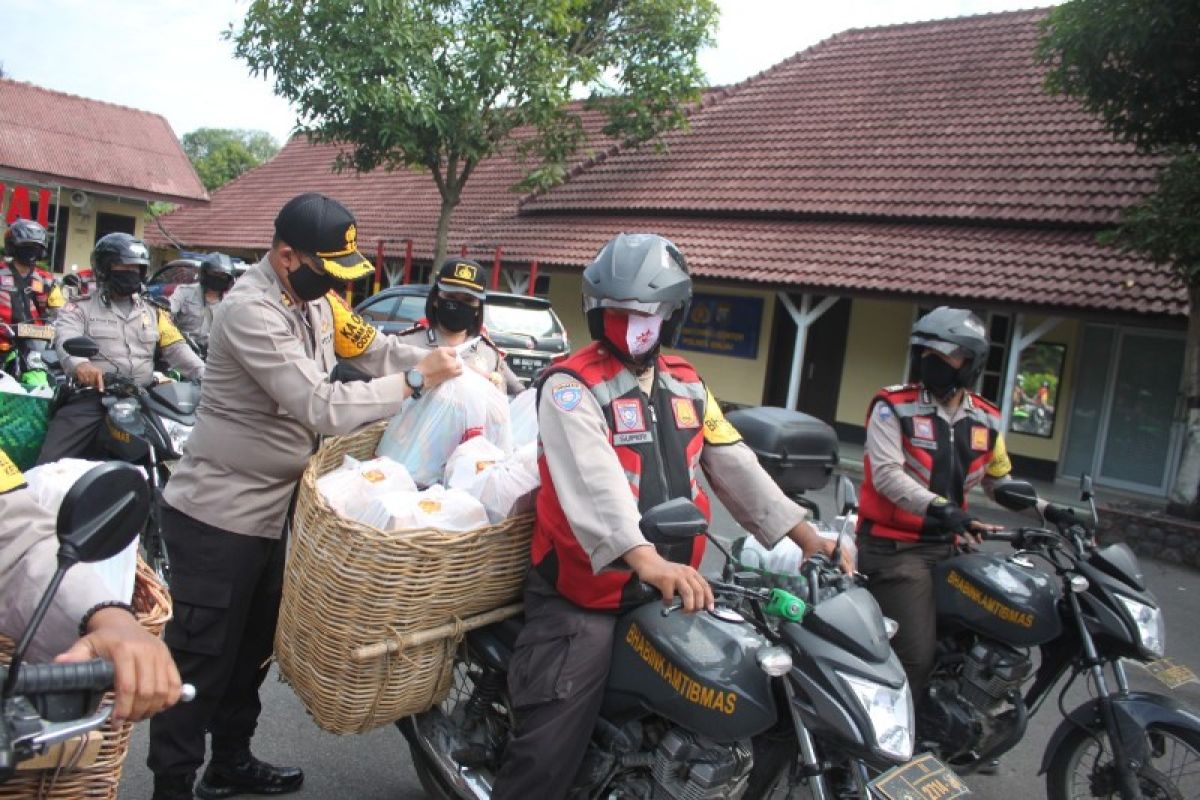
x=520, y=319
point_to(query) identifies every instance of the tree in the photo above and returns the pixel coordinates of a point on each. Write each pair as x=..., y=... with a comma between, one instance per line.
x=221, y=154
x=441, y=85
x=1137, y=64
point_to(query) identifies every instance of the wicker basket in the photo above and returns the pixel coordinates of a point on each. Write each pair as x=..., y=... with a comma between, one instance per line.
x=100, y=778
x=354, y=596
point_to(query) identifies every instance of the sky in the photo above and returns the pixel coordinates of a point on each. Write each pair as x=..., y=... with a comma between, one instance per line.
x=168, y=57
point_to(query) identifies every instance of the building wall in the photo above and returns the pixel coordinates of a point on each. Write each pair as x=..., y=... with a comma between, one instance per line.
x=876, y=354
x=81, y=233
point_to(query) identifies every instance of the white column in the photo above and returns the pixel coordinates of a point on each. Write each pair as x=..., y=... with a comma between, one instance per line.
x=803, y=317
x=1020, y=340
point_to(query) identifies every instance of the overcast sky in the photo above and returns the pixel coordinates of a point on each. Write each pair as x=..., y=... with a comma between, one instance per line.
x=167, y=56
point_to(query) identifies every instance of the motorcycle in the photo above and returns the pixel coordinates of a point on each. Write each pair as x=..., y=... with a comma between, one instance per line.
x=42, y=705
x=1086, y=616
x=147, y=427
x=768, y=693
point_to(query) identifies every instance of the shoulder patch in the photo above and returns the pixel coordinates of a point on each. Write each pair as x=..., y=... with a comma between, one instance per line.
x=168, y=334
x=883, y=411
x=352, y=334
x=717, y=429
x=568, y=396
x=11, y=477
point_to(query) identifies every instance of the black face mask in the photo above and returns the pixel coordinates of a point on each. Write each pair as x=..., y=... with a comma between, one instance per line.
x=308, y=284
x=455, y=316
x=29, y=253
x=938, y=377
x=124, y=283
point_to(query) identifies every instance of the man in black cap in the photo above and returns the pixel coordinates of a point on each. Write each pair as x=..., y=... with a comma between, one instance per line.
x=267, y=399
x=454, y=315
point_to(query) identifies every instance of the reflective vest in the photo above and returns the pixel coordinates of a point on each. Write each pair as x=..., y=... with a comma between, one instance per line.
x=948, y=460
x=28, y=299
x=658, y=443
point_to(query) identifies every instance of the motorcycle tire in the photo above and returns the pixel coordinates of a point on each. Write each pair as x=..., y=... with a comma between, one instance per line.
x=1080, y=768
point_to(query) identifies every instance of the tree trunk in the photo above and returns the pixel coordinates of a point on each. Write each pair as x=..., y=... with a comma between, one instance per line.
x=1185, y=495
x=449, y=201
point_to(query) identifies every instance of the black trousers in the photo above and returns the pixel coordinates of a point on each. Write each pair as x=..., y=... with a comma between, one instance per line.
x=226, y=588
x=556, y=680
x=900, y=577
x=73, y=428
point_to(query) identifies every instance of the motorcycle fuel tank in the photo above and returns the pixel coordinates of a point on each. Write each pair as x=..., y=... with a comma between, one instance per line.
x=998, y=599
x=697, y=670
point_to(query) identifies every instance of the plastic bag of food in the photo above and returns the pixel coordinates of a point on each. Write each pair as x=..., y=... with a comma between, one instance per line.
x=350, y=488
x=436, y=507
x=508, y=487
x=781, y=564
x=523, y=413
x=468, y=460
x=426, y=431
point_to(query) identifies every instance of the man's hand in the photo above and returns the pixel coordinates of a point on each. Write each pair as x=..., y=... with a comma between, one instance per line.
x=811, y=543
x=439, y=366
x=670, y=578
x=89, y=374
x=145, y=678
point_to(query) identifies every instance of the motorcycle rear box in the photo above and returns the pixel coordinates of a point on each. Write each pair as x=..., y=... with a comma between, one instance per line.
x=797, y=450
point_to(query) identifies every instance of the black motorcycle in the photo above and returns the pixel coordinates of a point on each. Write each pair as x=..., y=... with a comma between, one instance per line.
x=768, y=693
x=42, y=705
x=147, y=427
x=1085, y=616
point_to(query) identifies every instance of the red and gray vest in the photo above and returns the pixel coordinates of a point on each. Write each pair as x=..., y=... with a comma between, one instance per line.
x=658, y=442
x=947, y=459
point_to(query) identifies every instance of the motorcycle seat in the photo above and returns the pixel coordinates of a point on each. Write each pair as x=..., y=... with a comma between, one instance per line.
x=494, y=644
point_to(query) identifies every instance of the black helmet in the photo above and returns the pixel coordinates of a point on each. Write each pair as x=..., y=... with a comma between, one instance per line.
x=118, y=248
x=953, y=332
x=460, y=275
x=640, y=271
x=25, y=240
x=216, y=272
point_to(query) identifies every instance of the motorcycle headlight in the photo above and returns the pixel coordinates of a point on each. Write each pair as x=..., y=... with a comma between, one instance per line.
x=891, y=714
x=177, y=432
x=1149, y=623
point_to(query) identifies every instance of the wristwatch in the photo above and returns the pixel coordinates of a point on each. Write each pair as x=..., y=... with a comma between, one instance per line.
x=416, y=381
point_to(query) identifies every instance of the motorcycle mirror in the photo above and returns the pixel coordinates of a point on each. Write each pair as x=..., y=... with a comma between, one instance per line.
x=674, y=519
x=81, y=347
x=1085, y=487
x=102, y=513
x=845, y=496
x=1016, y=495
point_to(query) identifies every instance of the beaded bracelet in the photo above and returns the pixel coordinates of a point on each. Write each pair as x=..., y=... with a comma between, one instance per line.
x=91, y=612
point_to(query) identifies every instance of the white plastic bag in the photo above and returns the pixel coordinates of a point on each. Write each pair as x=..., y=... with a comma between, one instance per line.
x=508, y=488
x=468, y=460
x=523, y=413
x=426, y=431
x=436, y=507
x=350, y=488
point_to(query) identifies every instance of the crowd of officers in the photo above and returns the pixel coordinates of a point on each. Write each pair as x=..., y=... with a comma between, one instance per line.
x=273, y=339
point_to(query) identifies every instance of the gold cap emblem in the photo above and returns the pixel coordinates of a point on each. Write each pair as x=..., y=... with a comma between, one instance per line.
x=464, y=272
x=352, y=237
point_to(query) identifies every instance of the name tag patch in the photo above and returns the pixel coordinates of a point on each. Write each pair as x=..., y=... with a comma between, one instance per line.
x=644, y=437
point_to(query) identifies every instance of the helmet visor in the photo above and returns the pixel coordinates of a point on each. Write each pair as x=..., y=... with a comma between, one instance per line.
x=945, y=348
x=649, y=309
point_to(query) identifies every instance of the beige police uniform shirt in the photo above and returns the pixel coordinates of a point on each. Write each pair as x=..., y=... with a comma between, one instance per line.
x=191, y=313
x=28, y=550
x=594, y=492
x=128, y=333
x=885, y=450
x=267, y=398
x=483, y=355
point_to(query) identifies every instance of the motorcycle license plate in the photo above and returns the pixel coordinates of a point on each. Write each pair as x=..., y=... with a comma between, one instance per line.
x=1171, y=674
x=920, y=779
x=28, y=331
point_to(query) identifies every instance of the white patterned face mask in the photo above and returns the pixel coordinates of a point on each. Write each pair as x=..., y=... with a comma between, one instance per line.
x=638, y=333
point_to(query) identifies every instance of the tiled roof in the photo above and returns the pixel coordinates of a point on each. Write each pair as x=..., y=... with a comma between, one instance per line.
x=936, y=120
x=1001, y=266
x=59, y=137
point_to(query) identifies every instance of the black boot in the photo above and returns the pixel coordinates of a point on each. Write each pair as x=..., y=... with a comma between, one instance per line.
x=245, y=774
x=174, y=787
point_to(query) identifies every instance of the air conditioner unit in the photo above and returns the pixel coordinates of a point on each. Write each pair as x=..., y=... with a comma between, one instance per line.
x=82, y=201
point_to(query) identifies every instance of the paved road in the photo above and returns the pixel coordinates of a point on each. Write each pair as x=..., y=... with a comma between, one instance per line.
x=376, y=766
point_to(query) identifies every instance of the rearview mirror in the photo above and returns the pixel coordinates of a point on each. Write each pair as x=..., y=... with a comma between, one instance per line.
x=1085, y=487
x=845, y=495
x=1016, y=495
x=81, y=347
x=674, y=519
x=102, y=513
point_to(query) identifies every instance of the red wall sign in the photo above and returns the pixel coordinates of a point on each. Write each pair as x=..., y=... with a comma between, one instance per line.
x=18, y=205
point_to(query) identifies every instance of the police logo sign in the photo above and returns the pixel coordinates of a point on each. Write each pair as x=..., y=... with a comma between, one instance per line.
x=567, y=397
x=627, y=413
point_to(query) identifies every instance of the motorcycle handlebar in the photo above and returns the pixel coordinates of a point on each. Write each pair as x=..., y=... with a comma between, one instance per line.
x=1058, y=515
x=95, y=675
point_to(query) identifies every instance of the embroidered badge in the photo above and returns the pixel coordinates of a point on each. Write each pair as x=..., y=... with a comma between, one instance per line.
x=567, y=396
x=685, y=413
x=883, y=411
x=7, y=282
x=979, y=437
x=922, y=428
x=627, y=414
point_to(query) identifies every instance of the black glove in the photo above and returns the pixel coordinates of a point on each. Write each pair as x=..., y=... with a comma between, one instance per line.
x=945, y=518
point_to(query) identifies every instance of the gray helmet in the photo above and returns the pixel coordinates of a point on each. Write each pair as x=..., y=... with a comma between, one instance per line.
x=953, y=331
x=216, y=272
x=118, y=248
x=642, y=269
x=25, y=240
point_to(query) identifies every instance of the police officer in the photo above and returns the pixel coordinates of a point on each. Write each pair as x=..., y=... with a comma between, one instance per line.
x=192, y=304
x=267, y=399
x=453, y=314
x=28, y=293
x=84, y=620
x=623, y=428
x=128, y=329
x=928, y=444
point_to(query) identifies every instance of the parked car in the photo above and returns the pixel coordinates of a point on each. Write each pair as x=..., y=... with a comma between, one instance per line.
x=525, y=328
x=180, y=271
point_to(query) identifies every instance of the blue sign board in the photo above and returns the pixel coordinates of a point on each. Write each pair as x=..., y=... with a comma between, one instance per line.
x=723, y=325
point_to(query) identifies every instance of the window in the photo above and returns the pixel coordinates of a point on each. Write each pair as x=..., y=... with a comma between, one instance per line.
x=114, y=223
x=411, y=308
x=380, y=311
